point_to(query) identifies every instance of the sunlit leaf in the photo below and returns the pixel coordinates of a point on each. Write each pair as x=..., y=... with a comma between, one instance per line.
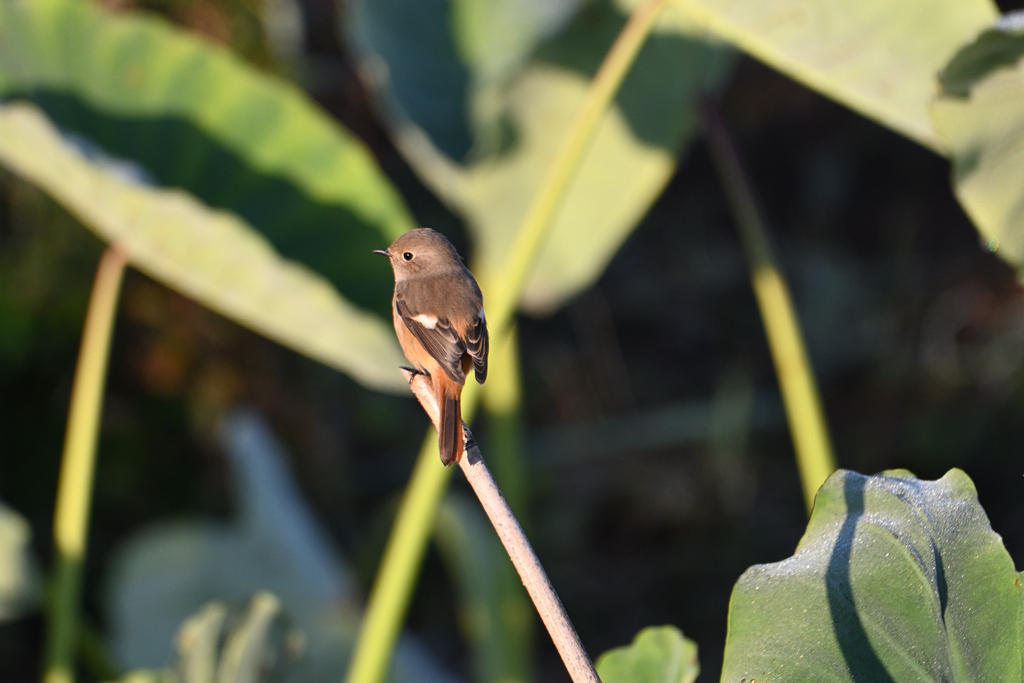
x=980, y=114
x=180, y=112
x=877, y=57
x=895, y=579
x=658, y=654
x=210, y=255
x=490, y=166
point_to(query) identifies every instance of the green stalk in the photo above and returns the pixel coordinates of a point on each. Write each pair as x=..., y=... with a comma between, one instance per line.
x=503, y=292
x=389, y=597
x=74, y=486
x=807, y=425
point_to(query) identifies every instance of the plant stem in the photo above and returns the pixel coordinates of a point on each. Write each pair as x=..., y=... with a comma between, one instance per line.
x=389, y=598
x=503, y=292
x=807, y=425
x=530, y=570
x=74, y=487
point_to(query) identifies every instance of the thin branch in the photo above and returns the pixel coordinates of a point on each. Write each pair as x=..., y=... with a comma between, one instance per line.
x=548, y=605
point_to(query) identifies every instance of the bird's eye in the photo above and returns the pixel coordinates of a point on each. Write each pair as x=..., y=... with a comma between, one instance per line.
x=407, y=256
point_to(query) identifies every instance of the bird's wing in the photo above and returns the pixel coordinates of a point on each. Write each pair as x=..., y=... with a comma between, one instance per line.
x=438, y=337
x=476, y=341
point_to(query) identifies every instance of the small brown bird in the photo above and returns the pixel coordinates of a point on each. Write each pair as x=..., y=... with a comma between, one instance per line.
x=439, y=319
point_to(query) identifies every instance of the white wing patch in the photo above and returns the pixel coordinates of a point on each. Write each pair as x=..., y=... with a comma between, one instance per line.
x=428, y=321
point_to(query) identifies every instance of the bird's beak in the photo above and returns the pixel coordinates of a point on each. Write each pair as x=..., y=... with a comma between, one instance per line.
x=385, y=252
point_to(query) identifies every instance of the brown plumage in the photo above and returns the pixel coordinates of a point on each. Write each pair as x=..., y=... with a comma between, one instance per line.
x=439, y=319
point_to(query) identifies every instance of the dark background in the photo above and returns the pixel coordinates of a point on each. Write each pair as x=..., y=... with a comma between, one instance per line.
x=916, y=333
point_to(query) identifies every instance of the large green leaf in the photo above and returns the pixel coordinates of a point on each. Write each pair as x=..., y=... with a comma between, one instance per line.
x=658, y=654
x=515, y=109
x=444, y=63
x=878, y=57
x=980, y=115
x=896, y=579
x=190, y=115
x=212, y=256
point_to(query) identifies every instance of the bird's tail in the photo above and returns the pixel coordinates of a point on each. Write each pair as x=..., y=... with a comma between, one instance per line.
x=449, y=436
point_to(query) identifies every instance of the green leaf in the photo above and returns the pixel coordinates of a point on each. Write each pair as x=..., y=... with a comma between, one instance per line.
x=517, y=107
x=19, y=574
x=209, y=255
x=247, y=649
x=658, y=654
x=188, y=114
x=877, y=57
x=198, y=642
x=980, y=115
x=214, y=645
x=896, y=579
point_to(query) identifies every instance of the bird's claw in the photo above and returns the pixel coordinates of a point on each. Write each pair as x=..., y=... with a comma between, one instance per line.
x=413, y=371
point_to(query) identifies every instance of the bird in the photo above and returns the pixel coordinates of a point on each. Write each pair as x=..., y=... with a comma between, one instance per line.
x=438, y=313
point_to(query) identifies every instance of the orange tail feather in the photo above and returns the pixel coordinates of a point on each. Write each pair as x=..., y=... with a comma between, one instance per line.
x=449, y=437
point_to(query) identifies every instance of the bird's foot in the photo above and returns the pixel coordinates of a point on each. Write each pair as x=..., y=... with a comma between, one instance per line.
x=414, y=371
x=468, y=436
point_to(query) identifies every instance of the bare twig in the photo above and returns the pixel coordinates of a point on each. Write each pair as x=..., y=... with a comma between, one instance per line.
x=550, y=608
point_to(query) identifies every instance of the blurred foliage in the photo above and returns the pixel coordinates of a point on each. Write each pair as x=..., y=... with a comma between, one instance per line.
x=215, y=646
x=896, y=579
x=273, y=542
x=657, y=655
x=812, y=444
x=150, y=104
x=481, y=127
x=980, y=114
x=211, y=256
x=917, y=335
x=877, y=57
x=19, y=573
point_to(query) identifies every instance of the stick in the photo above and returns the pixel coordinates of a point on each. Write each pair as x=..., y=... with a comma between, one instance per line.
x=550, y=608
